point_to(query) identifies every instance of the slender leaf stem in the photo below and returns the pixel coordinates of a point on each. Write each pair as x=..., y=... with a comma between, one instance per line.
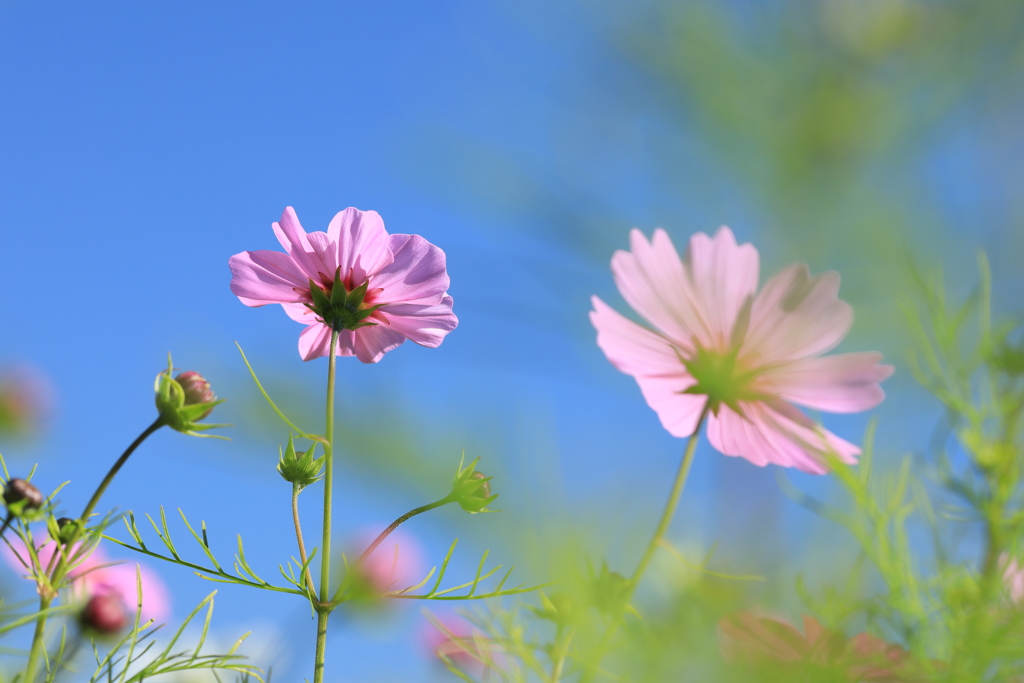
x=94, y=501
x=298, y=537
x=37, y=641
x=324, y=612
x=395, y=524
x=659, y=533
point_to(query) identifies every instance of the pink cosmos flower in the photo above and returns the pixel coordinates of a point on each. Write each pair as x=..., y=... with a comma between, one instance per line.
x=395, y=564
x=747, y=355
x=456, y=641
x=91, y=578
x=377, y=289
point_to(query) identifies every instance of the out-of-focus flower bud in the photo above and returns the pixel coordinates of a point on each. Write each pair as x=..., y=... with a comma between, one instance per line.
x=299, y=467
x=610, y=592
x=67, y=530
x=104, y=615
x=25, y=399
x=472, y=489
x=184, y=400
x=21, y=495
x=557, y=608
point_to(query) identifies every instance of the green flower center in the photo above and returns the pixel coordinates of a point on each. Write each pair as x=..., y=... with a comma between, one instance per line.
x=721, y=378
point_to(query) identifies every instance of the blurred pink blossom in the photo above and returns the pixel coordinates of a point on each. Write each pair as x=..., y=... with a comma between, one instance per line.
x=395, y=564
x=404, y=274
x=750, y=638
x=750, y=353
x=1013, y=577
x=96, y=576
x=456, y=640
x=26, y=398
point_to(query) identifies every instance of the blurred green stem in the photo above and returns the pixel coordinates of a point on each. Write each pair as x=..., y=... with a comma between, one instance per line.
x=450, y=498
x=323, y=611
x=591, y=667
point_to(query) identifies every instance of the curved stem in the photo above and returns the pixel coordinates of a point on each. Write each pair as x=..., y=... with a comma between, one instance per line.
x=298, y=537
x=395, y=524
x=659, y=533
x=324, y=611
x=94, y=501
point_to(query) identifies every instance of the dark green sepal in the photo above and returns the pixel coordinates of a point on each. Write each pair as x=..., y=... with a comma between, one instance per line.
x=300, y=468
x=170, y=403
x=341, y=309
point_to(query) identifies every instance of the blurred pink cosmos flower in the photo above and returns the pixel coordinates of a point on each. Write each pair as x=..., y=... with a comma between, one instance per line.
x=749, y=638
x=454, y=640
x=746, y=354
x=395, y=286
x=91, y=578
x=395, y=564
x=1013, y=577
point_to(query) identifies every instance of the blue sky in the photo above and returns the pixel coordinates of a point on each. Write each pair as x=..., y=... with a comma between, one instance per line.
x=145, y=143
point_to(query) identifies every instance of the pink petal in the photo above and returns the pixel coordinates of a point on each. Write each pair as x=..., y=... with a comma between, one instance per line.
x=267, y=277
x=293, y=238
x=652, y=280
x=778, y=434
x=844, y=383
x=371, y=343
x=314, y=341
x=417, y=274
x=654, y=363
x=426, y=325
x=724, y=274
x=300, y=313
x=796, y=316
x=361, y=244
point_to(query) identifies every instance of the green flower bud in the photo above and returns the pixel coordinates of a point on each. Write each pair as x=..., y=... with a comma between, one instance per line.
x=610, y=592
x=472, y=489
x=67, y=529
x=557, y=608
x=299, y=467
x=21, y=495
x=184, y=400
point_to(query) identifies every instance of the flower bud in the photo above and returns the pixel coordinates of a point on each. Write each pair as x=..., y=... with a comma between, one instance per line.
x=24, y=492
x=299, y=467
x=472, y=489
x=104, y=615
x=197, y=390
x=184, y=400
x=67, y=529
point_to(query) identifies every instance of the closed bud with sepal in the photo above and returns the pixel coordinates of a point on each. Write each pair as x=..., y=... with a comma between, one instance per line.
x=184, y=400
x=300, y=467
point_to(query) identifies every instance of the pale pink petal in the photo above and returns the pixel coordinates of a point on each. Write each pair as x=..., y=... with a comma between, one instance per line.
x=631, y=348
x=361, y=244
x=300, y=313
x=295, y=241
x=655, y=365
x=371, y=343
x=417, y=274
x=314, y=341
x=426, y=325
x=724, y=275
x=652, y=280
x=267, y=277
x=796, y=316
x=844, y=383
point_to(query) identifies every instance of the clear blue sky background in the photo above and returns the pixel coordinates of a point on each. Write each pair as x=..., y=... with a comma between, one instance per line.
x=142, y=144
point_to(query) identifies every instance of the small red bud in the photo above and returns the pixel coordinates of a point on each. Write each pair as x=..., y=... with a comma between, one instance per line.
x=485, y=488
x=197, y=390
x=18, y=490
x=104, y=614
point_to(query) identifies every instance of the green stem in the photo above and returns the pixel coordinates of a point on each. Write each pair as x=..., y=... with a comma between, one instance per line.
x=325, y=557
x=94, y=501
x=659, y=533
x=37, y=642
x=395, y=524
x=298, y=537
